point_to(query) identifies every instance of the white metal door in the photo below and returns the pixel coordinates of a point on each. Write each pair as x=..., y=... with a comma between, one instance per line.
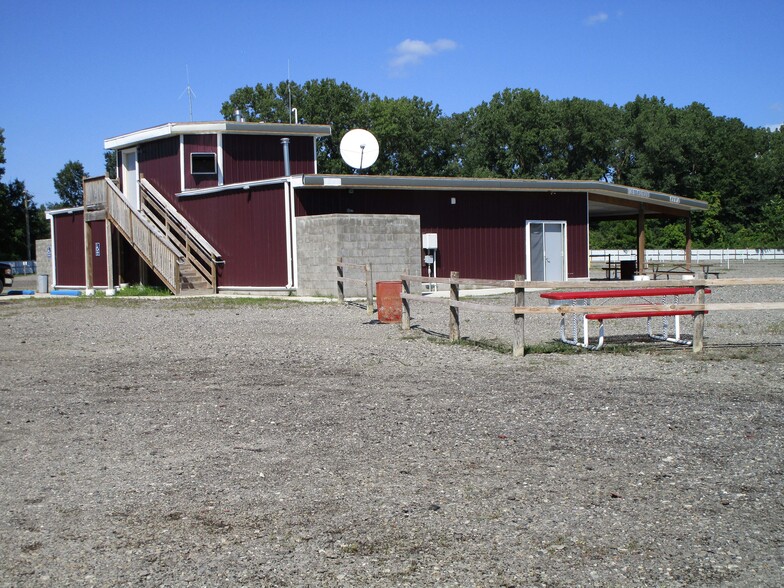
x=130, y=178
x=546, y=242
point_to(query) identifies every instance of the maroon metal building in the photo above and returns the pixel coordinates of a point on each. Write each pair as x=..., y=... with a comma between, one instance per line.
x=227, y=194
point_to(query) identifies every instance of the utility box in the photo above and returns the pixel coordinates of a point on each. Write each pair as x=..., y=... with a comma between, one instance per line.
x=430, y=241
x=627, y=269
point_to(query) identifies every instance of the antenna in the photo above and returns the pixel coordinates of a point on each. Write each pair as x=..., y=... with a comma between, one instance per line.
x=288, y=85
x=359, y=148
x=189, y=92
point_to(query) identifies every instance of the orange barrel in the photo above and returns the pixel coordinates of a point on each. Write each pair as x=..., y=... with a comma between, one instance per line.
x=390, y=305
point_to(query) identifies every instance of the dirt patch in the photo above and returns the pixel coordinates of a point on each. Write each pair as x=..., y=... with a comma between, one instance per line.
x=184, y=442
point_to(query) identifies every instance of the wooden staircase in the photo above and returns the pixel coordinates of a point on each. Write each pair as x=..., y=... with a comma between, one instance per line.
x=191, y=281
x=184, y=261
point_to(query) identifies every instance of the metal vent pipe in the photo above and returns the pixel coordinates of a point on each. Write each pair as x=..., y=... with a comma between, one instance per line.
x=286, y=163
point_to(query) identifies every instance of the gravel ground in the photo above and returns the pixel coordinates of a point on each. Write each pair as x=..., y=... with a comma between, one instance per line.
x=204, y=442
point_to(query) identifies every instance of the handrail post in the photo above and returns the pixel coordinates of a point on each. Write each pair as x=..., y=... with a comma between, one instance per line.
x=454, y=311
x=406, y=315
x=177, y=281
x=369, y=287
x=518, y=344
x=341, y=295
x=699, y=321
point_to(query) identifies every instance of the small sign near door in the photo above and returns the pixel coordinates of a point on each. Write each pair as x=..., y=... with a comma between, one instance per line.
x=97, y=250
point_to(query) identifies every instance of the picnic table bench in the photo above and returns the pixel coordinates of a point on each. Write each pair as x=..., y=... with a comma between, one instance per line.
x=582, y=297
x=659, y=269
x=612, y=269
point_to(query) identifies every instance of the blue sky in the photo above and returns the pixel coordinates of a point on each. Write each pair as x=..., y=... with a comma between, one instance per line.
x=75, y=73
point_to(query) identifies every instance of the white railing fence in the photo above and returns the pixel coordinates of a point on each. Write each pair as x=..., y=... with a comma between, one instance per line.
x=697, y=255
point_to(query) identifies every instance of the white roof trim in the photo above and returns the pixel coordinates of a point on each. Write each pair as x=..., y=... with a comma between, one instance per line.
x=196, y=128
x=231, y=187
x=57, y=211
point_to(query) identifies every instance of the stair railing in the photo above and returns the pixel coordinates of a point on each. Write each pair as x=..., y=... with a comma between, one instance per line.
x=180, y=233
x=146, y=239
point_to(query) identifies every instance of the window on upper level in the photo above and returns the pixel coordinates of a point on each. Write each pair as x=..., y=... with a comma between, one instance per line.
x=203, y=163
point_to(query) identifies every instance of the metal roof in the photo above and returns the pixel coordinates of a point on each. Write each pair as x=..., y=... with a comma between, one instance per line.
x=606, y=200
x=224, y=126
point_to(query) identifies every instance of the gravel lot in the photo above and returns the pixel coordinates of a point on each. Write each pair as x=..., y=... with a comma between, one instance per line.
x=215, y=442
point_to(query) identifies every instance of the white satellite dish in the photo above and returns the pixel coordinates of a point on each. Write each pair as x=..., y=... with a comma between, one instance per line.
x=359, y=148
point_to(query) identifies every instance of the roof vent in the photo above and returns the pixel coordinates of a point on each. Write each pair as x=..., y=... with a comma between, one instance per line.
x=238, y=116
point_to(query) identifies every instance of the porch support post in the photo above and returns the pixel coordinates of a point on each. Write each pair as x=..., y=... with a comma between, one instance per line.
x=641, y=241
x=109, y=257
x=688, y=241
x=88, y=258
x=120, y=258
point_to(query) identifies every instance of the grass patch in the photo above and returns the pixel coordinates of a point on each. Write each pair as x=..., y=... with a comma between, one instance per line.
x=206, y=303
x=776, y=328
x=139, y=290
x=487, y=344
x=552, y=347
x=548, y=347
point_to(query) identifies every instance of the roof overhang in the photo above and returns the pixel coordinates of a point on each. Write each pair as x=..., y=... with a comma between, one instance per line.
x=202, y=128
x=61, y=211
x=605, y=200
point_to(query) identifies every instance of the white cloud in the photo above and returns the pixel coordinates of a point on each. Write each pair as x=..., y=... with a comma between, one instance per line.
x=596, y=19
x=411, y=52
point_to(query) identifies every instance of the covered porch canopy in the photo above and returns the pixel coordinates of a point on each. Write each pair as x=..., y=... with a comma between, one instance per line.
x=605, y=201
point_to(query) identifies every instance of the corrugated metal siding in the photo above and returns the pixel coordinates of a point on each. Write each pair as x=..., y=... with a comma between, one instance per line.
x=248, y=227
x=100, y=270
x=247, y=157
x=199, y=144
x=159, y=161
x=482, y=235
x=69, y=249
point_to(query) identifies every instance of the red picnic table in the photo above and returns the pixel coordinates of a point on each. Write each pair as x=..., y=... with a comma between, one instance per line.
x=581, y=297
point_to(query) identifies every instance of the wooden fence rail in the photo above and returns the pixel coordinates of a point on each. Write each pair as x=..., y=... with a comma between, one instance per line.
x=367, y=280
x=518, y=310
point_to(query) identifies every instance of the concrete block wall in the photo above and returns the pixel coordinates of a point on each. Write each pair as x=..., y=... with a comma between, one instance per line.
x=43, y=257
x=389, y=242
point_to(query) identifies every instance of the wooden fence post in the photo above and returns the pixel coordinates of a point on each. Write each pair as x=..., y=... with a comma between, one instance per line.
x=369, y=287
x=518, y=343
x=454, y=311
x=109, y=259
x=88, y=258
x=406, y=316
x=341, y=295
x=699, y=320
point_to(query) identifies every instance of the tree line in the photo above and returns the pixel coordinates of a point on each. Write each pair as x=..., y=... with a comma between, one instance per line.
x=21, y=221
x=520, y=133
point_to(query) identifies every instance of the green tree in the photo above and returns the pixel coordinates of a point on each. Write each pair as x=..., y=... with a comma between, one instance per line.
x=772, y=223
x=14, y=197
x=110, y=163
x=68, y=184
x=584, y=133
x=613, y=235
x=2, y=153
x=708, y=230
x=339, y=105
x=259, y=104
x=508, y=137
x=412, y=136
x=520, y=133
x=649, y=154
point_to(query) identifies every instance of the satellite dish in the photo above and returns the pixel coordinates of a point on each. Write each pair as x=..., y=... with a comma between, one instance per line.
x=359, y=148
